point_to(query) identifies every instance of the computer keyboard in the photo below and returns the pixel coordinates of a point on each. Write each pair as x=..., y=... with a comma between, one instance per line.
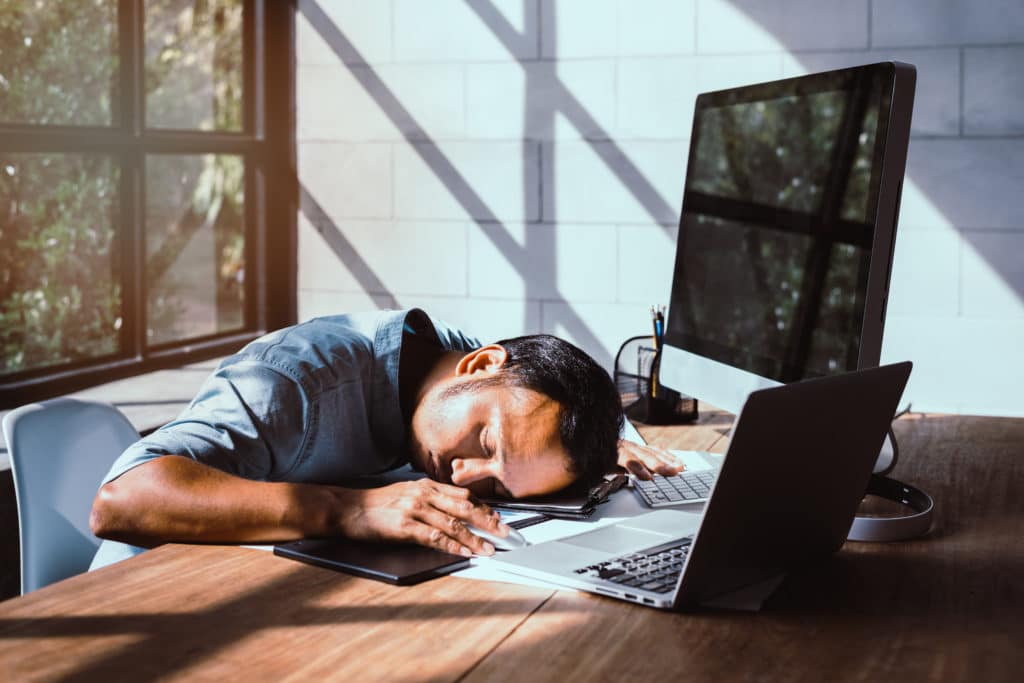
x=685, y=487
x=656, y=569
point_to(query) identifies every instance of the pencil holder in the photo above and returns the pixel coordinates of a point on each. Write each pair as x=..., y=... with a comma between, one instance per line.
x=643, y=400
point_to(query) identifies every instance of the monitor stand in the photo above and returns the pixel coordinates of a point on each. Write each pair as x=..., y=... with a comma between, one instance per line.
x=887, y=456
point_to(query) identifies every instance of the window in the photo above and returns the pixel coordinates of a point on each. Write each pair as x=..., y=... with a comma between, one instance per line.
x=142, y=163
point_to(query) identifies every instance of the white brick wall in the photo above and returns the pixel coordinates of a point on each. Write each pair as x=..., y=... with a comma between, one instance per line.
x=481, y=180
x=994, y=90
x=517, y=165
x=916, y=23
x=565, y=261
x=513, y=101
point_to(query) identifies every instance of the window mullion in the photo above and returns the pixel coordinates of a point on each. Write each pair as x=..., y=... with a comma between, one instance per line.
x=132, y=124
x=252, y=68
x=132, y=58
x=133, y=298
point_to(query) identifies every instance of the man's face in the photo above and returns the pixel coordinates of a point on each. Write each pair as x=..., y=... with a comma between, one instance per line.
x=495, y=440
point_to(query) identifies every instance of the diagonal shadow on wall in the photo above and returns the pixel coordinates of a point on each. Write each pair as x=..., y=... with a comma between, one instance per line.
x=441, y=166
x=563, y=102
x=343, y=248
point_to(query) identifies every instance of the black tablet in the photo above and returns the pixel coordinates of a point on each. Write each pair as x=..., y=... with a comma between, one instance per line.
x=397, y=563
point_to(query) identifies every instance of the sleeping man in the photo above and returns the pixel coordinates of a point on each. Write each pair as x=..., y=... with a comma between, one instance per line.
x=263, y=452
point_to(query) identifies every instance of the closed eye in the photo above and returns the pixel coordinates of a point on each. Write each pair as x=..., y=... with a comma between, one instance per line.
x=483, y=442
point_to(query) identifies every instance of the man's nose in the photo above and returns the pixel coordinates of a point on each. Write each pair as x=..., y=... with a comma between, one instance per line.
x=465, y=471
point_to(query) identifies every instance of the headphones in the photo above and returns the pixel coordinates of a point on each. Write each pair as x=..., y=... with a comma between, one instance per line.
x=881, y=529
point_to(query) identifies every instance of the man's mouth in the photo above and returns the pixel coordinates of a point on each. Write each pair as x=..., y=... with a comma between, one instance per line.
x=432, y=466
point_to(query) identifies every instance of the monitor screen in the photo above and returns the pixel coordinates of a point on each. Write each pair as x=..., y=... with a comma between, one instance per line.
x=778, y=223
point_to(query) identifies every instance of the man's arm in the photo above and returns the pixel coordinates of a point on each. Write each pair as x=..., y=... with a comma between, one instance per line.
x=175, y=499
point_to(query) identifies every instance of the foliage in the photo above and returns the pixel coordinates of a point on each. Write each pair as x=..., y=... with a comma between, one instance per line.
x=194, y=64
x=60, y=252
x=58, y=62
x=59, y=293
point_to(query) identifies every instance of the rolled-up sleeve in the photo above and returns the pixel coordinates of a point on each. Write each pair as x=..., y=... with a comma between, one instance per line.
x=249, y=419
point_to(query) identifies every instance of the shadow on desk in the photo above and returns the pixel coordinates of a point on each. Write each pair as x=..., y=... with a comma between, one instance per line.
x=904, y=581
x=203, y=628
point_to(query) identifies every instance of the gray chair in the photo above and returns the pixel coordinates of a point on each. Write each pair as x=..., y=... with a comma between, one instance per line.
x=60, y=450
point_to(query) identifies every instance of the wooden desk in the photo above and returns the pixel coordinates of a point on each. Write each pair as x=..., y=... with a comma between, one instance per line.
x=947, y=608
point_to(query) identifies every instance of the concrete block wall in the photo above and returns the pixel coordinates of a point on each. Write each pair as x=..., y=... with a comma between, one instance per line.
x=517, y=165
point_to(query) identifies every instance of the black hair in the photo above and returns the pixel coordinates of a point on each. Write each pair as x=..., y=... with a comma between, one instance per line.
x=590, y=418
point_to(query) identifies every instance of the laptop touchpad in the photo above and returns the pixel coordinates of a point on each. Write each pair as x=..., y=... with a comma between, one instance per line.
x=616, y=539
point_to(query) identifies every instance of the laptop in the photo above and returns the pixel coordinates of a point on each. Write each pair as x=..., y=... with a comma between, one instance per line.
x=793, y=476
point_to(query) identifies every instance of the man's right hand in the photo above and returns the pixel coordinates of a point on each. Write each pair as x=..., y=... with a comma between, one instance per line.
x=175, y=499
x=426, y=512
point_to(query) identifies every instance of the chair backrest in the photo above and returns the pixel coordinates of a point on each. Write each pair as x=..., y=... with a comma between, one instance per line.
x=60, y=450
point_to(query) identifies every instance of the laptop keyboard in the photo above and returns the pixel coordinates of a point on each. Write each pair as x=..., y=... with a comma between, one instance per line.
x=685, y=487
x=656, y=570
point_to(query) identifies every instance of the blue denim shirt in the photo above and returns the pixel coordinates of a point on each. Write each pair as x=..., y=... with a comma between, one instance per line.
x=317, y=402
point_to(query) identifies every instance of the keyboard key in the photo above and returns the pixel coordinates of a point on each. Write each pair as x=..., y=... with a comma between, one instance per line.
x=610, y=572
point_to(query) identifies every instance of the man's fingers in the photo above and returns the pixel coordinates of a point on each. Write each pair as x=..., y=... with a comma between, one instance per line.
x=662, y=461
x=638, y=470
x=462, y=514
x=434, y=537
x=642, y=461
x=448, y=490
x=453, y=534
x=468, y=510
x=669, y=464
x=450, y=509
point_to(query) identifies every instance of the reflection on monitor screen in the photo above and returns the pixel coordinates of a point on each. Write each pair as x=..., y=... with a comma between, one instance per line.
x=786, y=232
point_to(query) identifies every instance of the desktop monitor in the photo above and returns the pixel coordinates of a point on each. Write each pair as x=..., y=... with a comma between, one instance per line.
x=787, y=231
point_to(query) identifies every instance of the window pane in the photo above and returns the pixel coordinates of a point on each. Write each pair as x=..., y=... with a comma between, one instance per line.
x=195, y=244
x=194, y=64
x=60, y=295
x=58, y=62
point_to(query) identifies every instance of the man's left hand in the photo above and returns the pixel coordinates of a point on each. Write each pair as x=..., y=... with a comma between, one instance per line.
x=645, y=461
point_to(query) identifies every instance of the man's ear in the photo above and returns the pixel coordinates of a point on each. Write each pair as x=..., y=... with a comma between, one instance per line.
x=486, y=359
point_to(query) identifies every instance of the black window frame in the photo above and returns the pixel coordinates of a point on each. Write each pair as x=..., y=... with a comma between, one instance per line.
x=267, y=145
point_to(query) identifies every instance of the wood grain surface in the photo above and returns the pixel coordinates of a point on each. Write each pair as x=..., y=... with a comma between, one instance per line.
x=948, y=607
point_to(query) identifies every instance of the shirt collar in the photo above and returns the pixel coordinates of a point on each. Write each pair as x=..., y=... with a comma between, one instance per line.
x=387, y=423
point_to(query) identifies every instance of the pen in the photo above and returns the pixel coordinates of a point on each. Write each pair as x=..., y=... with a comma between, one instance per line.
x=654, y=324
x=655, y=314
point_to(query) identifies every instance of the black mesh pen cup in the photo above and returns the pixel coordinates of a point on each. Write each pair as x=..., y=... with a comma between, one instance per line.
x=643, y=400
